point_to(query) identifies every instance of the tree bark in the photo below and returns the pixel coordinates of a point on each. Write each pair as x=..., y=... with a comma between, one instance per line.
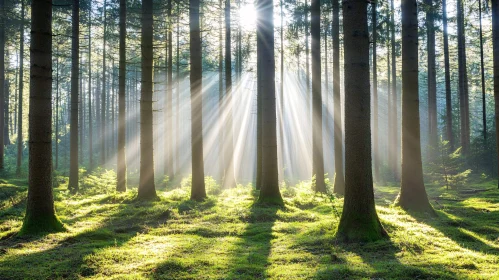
x=122, y=166
x=269, y=192
x=463, y=81
x=20, y=144
x=432, y=83
x=412, y=191
x=147, y=188
x=482, y=72
x=339, y=178
x=495, y=39
x=103, y=130
x=40, y=213
x=229, y=180
x=169, y=99
x=75, y=72
x=220, y=91
x=375, y=93
x=90, y=113
x=448, y=94
x=394, y=121
x=317, y=148
x=198, y=190
x=359, y=220
x=2, y=83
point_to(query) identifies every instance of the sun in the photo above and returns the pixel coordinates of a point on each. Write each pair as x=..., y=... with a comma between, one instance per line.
x=247, y=16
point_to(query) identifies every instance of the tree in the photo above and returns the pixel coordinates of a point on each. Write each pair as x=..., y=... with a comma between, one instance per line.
x=482, y=72
x=40, y=213
x=90, y=112
x=220, y=89
x=169, y=97
x=375, y=91
x=75, y=71
x=412, y=191
x=269, y=192
x=463, y=80
x=198, y=190
x=495, y=39
x=122, y=166
x=432, y=83
x=20, y=145
x=339, y=178
x=147, y=188
x=317, y=147
x=448, y=94
x=103, y=121
x=393, y=131
x=359, y=221
x=228, y=176
x=2, y=82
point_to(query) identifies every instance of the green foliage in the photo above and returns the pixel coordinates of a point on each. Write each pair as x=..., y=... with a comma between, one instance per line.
x=449, y=170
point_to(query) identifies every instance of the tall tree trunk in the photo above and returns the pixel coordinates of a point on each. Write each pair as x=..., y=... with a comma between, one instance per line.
x=269, y=192
x=281, y=93
x=229, y=178
x=2, y=82
x=20, y=144
x=90, y=114
x=375, y=93
x=103, y=130
x=220, y=90
x=359, y=221
x=40, y=213
x=432, y=83
x=169, y=99
x=412, y=191
x=198, y=190
x=463, y=80
x=339, y=178
x=307, y=61
x=177, y=78
x=394, y=125
x=57, y=107
x=122, y=166
x=147, y=189
x=259, y=114
x=7, y=119
x=317, y=146
x=448, y=94
x=482, y=72
x=495, y=39
x=75, y=71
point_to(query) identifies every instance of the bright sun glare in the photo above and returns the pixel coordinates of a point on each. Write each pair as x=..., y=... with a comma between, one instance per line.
x=247, y=15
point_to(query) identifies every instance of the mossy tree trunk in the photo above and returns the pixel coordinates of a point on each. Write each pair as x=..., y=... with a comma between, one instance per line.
x=359, y=221
x=40, y=213
x=339, y=178
x=122, y=167
x=198, y=190
x=269, y=192
x=147, y=188
x=317, y=145
x=75, y=71
x=412, y=191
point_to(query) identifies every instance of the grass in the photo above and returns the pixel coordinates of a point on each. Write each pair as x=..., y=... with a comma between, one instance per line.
x=228, y=236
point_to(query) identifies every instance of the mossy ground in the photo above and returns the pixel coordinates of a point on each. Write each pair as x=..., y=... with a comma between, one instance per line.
x=228, y=236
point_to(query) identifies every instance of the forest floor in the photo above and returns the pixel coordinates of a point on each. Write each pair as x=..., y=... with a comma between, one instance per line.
x=113, y=236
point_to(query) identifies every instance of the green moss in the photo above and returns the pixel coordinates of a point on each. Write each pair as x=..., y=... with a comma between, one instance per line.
x=41, y=224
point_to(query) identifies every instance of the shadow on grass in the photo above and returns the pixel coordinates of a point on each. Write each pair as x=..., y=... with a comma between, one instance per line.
x=66, y=258
x=376, y=260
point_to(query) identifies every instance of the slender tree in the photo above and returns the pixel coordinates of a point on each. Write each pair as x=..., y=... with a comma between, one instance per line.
x=269, y=192
x=339, y=179
x=359, y=220
x=122, y=166
x=463, y=80
x=375, y=91
x=20, y=144
x=412, y=191
x=317, y=146
x=40, y=213
x=259, y=116
x=220, y=88
x=198, y=190
x=307, y=59
x=147, y=188
x=75, y=71
x=90, y=113
x=482, y=72
x=432, y=83
x=177, y=80
x=228, y=176
x=393, y=128
x=169, y=97
x=2, y=82
x=104, y=94
x=448, y=94
x=495, y=39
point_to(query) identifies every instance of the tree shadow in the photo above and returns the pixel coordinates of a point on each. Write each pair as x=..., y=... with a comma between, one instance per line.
x=376, y=260
x=66, y=258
